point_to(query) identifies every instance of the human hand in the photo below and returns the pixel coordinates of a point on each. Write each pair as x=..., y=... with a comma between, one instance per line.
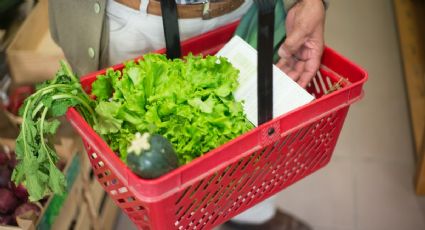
x=302, y=50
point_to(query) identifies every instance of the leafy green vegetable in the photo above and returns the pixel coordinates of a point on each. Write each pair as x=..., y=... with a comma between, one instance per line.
x=190, y=102
x=37, y=159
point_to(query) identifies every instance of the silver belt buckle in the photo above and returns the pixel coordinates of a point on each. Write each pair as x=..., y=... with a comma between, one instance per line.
x=206, y=10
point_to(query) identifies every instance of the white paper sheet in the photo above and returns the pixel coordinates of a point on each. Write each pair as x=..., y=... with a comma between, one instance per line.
x=287, y=94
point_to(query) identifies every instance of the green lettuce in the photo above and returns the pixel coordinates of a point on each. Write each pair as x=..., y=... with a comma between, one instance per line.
x=189, y=101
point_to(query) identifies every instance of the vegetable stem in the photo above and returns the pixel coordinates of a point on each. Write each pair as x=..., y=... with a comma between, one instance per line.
x=23, y=128
x=43, y=143
x=84, y=103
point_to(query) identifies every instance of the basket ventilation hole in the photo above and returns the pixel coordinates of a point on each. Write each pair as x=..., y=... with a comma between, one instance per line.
x=114, y=181
x=137, y=218
x=107, y=173
x=114, y=192
x=122, y=190
x=100, y=164
x=271, y=131
x=121, y=200
x=100, y=175
x=138, y=208
x=93, y=155
x=130, y=199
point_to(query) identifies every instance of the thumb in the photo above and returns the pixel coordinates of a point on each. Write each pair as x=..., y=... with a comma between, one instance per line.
x=293, y=43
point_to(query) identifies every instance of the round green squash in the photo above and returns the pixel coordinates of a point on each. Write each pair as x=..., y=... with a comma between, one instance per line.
x=151, y=156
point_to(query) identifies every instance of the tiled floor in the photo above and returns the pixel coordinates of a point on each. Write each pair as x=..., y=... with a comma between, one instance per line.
x=369, y=183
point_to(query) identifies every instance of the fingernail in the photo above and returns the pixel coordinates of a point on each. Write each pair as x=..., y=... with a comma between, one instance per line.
x=282, y=52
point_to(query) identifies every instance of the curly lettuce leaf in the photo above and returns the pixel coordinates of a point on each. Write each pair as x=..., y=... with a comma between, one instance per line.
x=189, y=101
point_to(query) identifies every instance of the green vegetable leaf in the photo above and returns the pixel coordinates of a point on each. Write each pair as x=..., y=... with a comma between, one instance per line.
x=57, y=181
x=189, y=101
x=107, y=123
x=36, y=158
x=59, y=107
x=50, y=127
x=102, y=87
x=204, y=106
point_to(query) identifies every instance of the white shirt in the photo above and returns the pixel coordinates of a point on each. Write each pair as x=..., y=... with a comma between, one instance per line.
x=134, y=32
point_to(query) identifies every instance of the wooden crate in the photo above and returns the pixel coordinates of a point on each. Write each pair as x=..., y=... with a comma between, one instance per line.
x=85, y=206
x=51, y=212
x=410, y=15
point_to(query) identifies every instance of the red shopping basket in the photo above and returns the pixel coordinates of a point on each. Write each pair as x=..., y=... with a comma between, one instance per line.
x=245, y=171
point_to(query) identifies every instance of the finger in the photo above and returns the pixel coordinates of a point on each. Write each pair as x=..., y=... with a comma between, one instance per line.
x=310, y=70
x=297, y=71
x=303, y=54
x=282, y=65
x=305, y=78
x=293, y=42
x=287, y=62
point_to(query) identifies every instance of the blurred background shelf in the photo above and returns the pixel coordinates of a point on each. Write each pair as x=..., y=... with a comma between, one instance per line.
x=410, y=19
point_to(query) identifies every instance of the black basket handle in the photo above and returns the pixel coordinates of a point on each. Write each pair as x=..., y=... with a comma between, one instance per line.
x=265, y=49
x=171, y=28
x=265, y=59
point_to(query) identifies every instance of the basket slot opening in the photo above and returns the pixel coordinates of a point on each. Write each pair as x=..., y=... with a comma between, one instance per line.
x=305, y=132
x=178, y=210
x=235, y=167
x=114, y=192
x=254, y=176
x=213, y=196
x=283, y=143
x=100, y=164
x=130, y=199
x=139, y=208
x=145, y=218
x=223, y=174
x=243, y=181
x=210, y=180
x=232, y=188
x=203, y=199
x=258, y=157
x=188, y=208
x=196, y=189
x=214, y=219
x=247, y=162
x=123, y=190
x=184, y=193
x=93, y=156
x=271, y=149
x=137, y=218
x=100, y=175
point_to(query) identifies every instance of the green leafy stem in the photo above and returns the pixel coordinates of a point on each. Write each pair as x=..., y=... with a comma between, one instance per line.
x=36, y=167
